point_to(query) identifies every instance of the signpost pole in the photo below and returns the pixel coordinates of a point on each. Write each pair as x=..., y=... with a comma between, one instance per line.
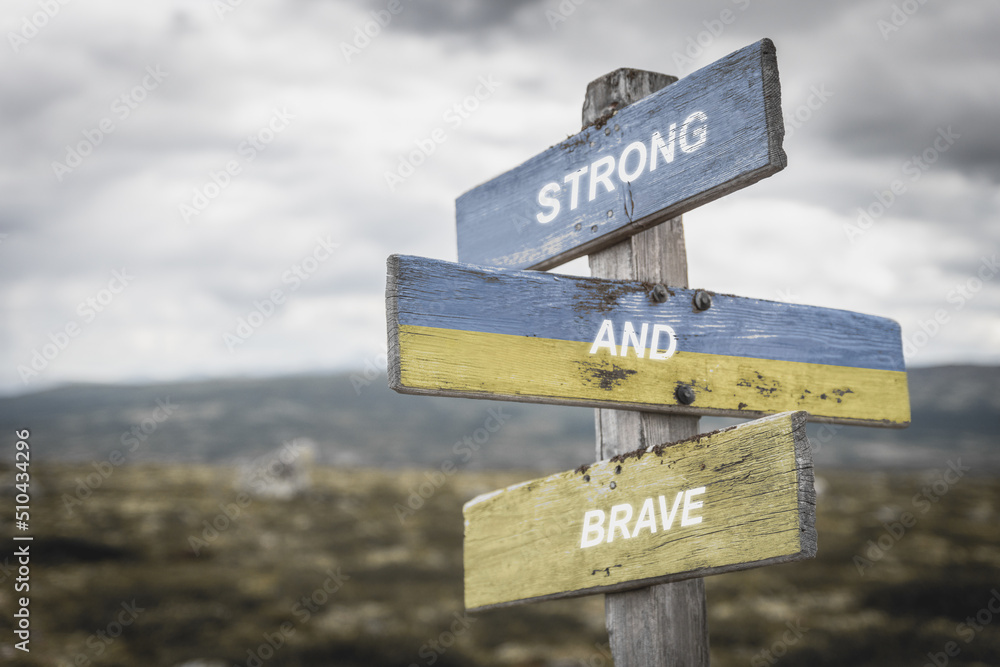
x=664, y=624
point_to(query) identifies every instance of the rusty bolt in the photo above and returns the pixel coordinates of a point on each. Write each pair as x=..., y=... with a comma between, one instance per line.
x=684, y=394
x=702, y=300
x=660, y=293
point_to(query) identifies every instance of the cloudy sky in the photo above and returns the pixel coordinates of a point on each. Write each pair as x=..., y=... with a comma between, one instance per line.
x=168, y=168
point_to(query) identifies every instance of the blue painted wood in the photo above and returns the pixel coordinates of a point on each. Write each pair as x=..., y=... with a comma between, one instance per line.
x=447, y=295
x=736, y=101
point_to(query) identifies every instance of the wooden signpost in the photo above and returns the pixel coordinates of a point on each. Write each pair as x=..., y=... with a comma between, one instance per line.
x=463, y=330
x=635, y=337
x=714, y=132
x=719, y=502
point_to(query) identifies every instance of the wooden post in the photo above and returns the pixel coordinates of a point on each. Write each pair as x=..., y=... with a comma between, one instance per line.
x=665, y=624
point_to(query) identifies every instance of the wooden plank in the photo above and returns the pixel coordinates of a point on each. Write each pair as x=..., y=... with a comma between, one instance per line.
x=607, y=95
x=479, y=332
x=730, y=500
x=666, y=624
x=659, y=626
x=713, y=132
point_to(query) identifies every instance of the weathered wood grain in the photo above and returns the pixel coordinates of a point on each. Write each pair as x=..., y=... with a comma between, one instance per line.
x=665, y=625
x=754, y=482
x=737, y=101
x=479, y=332
x=659, y=626
x=607, y=95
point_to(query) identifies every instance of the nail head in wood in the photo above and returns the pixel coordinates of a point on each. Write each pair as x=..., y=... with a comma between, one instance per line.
x=702, y=300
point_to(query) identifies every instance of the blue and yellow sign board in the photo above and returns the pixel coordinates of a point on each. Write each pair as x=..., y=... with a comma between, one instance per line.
x=715, y=131
x=480, y=332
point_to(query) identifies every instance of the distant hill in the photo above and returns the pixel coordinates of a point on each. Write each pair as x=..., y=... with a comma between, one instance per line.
x=359, y=422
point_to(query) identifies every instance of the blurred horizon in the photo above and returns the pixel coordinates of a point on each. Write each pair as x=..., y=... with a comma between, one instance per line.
x=340, y=419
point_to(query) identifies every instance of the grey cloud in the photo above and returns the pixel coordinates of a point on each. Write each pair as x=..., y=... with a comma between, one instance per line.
x=119, y=208
x=900, y=92
x=472, y=17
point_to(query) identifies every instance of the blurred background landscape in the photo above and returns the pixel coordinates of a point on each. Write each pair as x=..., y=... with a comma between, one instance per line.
x=198, y=202
x=307, y=521
x=355, y=420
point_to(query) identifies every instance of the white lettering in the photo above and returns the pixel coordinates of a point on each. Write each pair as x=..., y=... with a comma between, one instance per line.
x=686, y=519
x=574, y=193
x=590, y=527
x=638, y=344
x=605, y=338
x=600, y=173
x=654, y=345
x=618, y=521
x=625, y=176
x=667, y=520
x=620, y=517
x=693, y=135
x=701, y=133
x=549, y=201
x=666, y=149
x=647, y=518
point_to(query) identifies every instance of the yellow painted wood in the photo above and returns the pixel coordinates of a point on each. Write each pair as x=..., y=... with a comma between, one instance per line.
x=524, y=543
x=499, y=365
